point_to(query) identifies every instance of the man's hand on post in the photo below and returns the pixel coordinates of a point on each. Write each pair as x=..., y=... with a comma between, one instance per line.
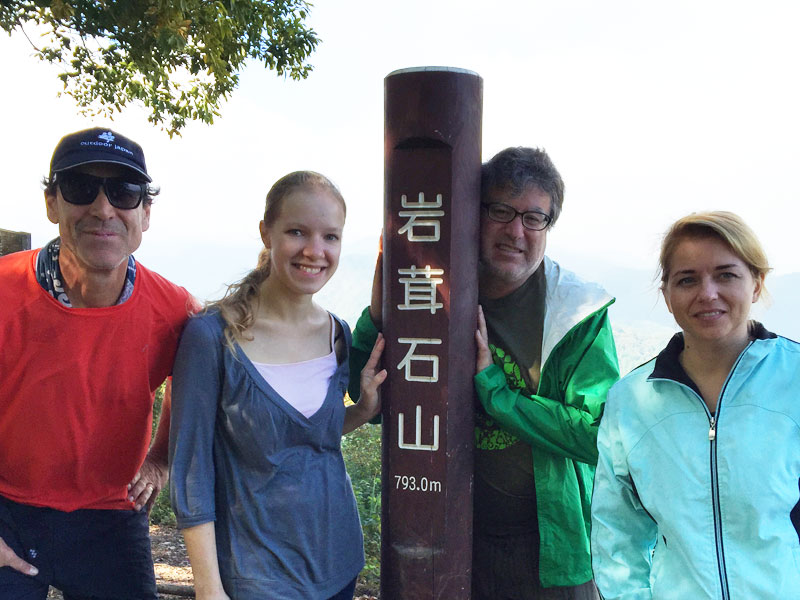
x=147, y=483
x=9, y=558
x=484, y=358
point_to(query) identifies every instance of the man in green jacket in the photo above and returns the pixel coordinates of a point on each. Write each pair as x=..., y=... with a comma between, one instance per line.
x=546, y=359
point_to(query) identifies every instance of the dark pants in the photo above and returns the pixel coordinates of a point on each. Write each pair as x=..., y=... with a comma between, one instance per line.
x=87, y=554
x=506, y=568
x=346, y=593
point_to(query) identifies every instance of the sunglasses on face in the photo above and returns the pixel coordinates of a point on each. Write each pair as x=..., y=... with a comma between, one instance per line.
x=82, y=189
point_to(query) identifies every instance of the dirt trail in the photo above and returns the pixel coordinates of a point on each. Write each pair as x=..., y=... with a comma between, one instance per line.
x=171, y=563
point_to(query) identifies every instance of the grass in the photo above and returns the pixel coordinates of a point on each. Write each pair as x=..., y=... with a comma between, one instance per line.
x=161, y=513
x=362, y=455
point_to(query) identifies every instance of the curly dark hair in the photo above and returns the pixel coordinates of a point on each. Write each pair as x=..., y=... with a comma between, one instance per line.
x=519, y=169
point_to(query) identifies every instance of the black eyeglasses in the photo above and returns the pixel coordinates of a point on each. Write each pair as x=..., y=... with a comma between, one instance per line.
x=82, y=189
x=503, y=213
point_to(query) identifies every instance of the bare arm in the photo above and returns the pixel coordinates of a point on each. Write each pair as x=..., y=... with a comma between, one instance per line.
x=201, y=545
x=366, y=331
x=376, y=299
x=154, y=472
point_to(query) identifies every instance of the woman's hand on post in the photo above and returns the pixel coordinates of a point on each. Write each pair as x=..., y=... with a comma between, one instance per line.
x=371, y=379
x=369, y=404
x=484, y=358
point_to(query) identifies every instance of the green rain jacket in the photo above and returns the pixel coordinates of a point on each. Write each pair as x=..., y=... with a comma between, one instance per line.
x=560, y=422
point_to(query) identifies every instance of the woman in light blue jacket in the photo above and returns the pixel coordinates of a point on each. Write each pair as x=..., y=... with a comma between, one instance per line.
x=697, y=491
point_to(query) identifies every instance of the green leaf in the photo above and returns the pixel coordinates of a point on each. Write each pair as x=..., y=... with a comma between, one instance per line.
x=184, y=56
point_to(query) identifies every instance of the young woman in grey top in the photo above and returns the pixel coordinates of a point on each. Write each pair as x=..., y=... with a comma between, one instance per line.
x=258, y=482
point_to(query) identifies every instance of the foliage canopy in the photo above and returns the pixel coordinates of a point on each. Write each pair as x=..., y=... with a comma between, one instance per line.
x=180, y=58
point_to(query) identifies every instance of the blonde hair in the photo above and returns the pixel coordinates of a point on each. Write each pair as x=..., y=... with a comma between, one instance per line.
x=239, y=305
x=725, y=226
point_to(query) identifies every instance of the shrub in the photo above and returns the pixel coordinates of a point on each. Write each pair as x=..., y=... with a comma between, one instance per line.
x=161, y=513
x=362, y=455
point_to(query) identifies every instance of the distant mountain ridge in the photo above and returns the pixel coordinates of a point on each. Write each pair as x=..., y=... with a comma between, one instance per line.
x=642, y=324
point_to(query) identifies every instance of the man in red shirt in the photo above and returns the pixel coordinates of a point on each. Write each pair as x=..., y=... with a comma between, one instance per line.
x=87, y=334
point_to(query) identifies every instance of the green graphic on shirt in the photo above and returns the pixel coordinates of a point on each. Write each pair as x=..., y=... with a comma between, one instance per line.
x=488, y=434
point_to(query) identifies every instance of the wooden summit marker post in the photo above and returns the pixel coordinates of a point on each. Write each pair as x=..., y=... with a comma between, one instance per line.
x=430, y=298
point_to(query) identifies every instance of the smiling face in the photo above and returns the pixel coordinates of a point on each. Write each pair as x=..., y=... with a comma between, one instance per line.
x=709, y=291
x=305, y=240
x=510, y=253
x=97, y=237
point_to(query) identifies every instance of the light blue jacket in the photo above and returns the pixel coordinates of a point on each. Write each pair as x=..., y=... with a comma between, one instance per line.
x=688, y=505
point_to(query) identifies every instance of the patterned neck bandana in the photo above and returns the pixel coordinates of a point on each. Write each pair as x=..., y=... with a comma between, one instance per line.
x=48, y=274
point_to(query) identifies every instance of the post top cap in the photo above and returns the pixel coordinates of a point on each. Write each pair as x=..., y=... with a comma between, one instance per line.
x=432, y=69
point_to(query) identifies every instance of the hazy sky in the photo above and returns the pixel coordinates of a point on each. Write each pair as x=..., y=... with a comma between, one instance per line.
x=649, y=110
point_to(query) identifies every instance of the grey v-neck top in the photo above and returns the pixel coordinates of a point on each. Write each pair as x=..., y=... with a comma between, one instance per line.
x=272, y=480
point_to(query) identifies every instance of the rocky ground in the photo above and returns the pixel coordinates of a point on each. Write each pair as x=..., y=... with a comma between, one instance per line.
x=173, y=572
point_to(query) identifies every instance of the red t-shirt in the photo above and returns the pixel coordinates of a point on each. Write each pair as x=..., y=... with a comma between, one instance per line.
x=77, y=387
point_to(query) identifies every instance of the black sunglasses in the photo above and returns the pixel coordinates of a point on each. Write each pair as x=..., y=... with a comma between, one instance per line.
x=82, y=189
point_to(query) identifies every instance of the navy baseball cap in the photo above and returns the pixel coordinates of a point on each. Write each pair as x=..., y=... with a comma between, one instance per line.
x=98, y=145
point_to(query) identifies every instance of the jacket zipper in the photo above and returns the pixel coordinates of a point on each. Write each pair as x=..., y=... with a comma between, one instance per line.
x=712, y=436
x=713, y=422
